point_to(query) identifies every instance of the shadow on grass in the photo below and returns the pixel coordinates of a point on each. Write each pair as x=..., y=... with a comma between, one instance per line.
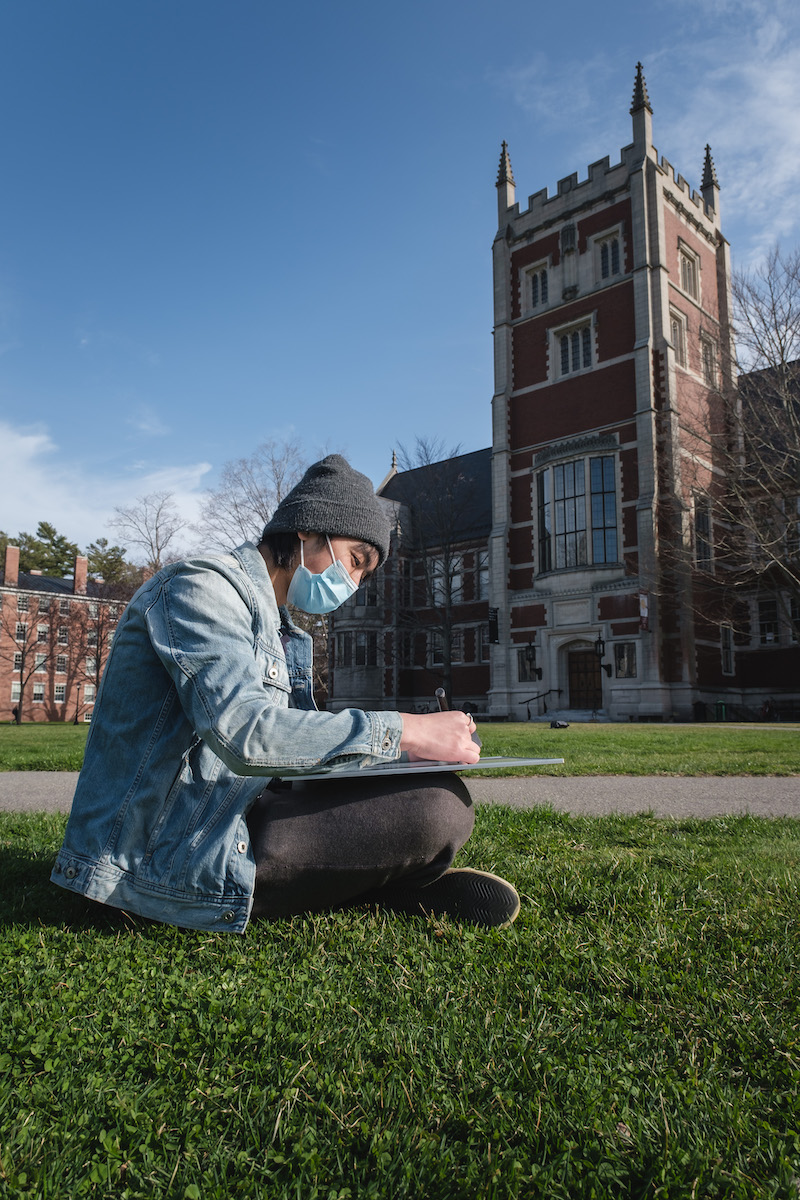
x=28, y=898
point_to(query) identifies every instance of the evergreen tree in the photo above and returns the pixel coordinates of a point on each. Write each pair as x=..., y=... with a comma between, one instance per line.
x=107, y=562
x=48, y=551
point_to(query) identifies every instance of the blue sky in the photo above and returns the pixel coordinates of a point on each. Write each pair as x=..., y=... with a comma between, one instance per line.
x=227, y=221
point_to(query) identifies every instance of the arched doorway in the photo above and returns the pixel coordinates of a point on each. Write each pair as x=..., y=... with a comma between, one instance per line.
x=585, y=686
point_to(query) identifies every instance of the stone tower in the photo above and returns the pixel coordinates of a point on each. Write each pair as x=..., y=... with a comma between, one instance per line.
x=612, y=350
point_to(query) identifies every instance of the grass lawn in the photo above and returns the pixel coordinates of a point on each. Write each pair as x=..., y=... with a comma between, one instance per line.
x=635, y=1034
x=617, y=749
x=38, y=746
x=588, y=749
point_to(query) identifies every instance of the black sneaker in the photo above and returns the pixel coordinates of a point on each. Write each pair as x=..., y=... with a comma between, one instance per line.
x=474, y=897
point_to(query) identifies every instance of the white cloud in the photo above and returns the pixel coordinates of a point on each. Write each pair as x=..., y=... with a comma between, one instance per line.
x=742, y=94
x=728, y=75
x=39, y=484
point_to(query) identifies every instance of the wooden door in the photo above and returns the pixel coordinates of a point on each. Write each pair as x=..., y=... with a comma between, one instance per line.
x=585, y=687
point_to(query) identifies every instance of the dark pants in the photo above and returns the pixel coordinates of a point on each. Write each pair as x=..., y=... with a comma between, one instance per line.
x=323, y=844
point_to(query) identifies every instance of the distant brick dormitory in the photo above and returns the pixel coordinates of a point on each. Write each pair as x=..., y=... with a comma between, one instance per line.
x=55, y=635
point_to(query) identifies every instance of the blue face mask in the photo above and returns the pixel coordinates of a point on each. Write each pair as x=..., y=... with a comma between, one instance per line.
x=320, y=593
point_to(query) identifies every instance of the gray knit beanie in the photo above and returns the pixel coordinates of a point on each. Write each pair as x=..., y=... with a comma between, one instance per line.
x=333, y=499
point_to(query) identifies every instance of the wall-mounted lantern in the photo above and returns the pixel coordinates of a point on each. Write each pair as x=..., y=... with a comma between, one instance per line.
x=530, y=655
x=600, y=650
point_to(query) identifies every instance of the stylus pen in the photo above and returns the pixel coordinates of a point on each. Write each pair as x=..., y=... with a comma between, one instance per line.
x=441, y=697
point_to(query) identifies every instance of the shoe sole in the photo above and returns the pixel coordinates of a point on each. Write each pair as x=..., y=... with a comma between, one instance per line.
x=473, y=897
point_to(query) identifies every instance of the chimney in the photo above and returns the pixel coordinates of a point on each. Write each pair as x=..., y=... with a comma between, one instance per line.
x=79, y=581
x=11, y=577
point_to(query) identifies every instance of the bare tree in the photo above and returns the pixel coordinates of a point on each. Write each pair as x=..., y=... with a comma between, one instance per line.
x=742, y=460
x=765, y=466
x=92, y=625
x=249, y=491
x=28, y=642
x=767, y=313
x=152, y=524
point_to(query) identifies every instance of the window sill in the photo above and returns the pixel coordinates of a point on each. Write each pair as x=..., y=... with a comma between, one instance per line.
x=580, y=570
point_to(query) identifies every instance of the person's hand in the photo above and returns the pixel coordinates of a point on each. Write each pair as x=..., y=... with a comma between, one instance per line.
x=440, y=737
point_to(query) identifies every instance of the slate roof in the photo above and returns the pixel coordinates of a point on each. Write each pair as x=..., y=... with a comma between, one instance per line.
x=52, y=585
x=468, y=477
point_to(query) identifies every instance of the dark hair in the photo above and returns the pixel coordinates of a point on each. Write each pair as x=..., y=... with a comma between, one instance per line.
x=283, y=547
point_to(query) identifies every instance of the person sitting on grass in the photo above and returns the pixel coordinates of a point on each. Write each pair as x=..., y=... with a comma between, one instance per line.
x=191, y=808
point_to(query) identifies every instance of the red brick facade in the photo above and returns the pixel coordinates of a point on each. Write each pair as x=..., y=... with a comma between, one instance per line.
x=55, y=635
x=393, y=644
x=613, y=358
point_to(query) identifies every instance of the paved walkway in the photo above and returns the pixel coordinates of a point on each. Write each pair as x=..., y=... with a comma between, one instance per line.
x=595, y=795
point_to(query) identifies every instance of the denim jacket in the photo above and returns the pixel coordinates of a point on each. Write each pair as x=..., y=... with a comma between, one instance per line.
x=206, y=692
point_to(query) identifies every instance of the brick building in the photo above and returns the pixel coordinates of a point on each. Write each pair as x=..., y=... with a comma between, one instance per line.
x=577, y=566
x=613, y=356
x=422, y=622
x=55, y=635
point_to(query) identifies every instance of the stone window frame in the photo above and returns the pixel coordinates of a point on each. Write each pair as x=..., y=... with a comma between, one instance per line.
x=344, y=648
x=608, y=265
x=689, y=274
x=536, y=286
x=365, y=648
x=481, y=574
x=768, y=621
x=445, y=573
x=678, y=325
x=436, y=647
x=583, y=449
x=625, y=664
x=585, y=323
x=367, y=594
x=708, y=360
x=703, y=530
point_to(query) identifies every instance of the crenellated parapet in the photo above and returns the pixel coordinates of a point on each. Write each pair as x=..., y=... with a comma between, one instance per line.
x=604, y=181
x=572, y=195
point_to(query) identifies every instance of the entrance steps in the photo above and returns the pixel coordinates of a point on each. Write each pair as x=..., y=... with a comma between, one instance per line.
x=573, y=716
